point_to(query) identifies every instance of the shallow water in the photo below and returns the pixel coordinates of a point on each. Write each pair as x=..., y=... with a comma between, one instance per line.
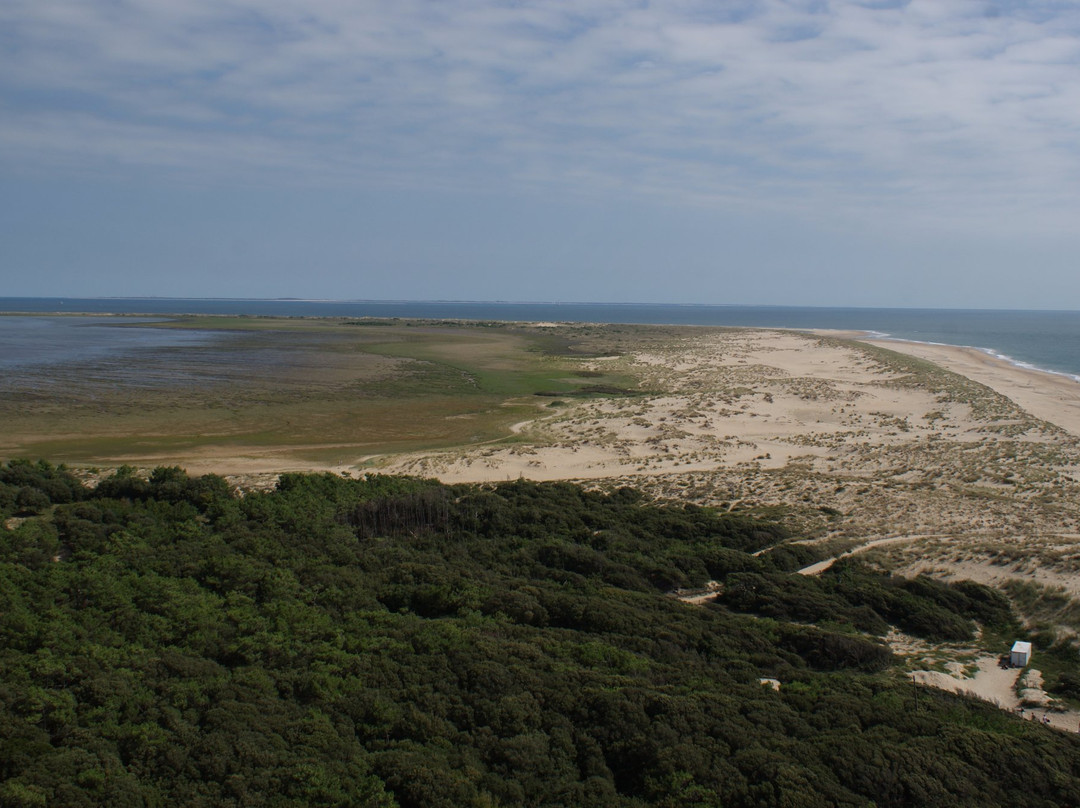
x=30, y=342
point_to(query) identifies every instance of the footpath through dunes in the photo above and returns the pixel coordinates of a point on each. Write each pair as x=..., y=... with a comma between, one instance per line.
x=857, y=440
x=819, y=567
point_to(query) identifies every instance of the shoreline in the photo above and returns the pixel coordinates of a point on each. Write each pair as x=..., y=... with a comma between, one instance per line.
x=1046, y=394
x=1051, y=395
x=884, y=339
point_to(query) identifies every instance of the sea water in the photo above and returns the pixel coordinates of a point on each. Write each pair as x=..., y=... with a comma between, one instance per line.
x=1048, y=340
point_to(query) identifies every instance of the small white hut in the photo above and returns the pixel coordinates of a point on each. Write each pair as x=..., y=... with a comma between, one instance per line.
x=1020, y=655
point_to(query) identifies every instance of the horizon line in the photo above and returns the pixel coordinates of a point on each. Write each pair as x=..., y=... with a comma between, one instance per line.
x=398, y=301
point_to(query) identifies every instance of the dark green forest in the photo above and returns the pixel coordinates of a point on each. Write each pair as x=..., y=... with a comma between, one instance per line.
x=398, y=642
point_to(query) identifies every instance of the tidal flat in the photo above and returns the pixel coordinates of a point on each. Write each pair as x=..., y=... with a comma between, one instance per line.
x=266, y=394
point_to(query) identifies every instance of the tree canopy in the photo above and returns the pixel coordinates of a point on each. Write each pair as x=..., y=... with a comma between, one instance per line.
x=396, y=642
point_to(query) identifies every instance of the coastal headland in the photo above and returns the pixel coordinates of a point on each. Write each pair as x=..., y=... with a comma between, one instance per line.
x=947, y=443
x=968, y=464
x=920, y=458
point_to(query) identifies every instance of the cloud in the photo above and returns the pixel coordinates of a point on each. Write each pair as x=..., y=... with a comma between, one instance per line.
x=952, y=110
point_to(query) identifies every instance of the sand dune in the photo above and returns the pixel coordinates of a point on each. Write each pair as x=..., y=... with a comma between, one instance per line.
x=858, y=440
x=772, y=400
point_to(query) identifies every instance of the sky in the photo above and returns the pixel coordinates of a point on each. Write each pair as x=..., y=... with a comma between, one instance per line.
x=786, y=152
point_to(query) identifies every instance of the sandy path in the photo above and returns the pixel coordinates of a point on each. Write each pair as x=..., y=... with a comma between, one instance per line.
x=990, y=683
x=821, y=566
x=711, y=591
x=997, y=685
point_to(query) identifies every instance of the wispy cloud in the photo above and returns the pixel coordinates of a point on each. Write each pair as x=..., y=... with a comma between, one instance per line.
x=957, y=109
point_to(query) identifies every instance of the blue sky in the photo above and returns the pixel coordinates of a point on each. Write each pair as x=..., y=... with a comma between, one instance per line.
x=803, y=152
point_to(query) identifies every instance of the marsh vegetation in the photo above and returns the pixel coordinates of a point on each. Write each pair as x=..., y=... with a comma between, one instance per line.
x=295, y=391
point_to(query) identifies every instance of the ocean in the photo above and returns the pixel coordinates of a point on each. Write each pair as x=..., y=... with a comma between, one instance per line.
x=1045, y=340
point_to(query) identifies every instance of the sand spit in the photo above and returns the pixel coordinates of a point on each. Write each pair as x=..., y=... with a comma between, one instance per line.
x=747, y=400
x=920, y=458
x=857, y=439
x=753, y=400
